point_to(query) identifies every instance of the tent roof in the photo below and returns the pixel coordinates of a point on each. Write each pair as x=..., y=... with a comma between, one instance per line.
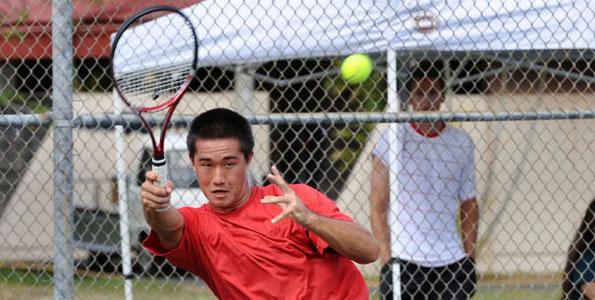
x=254, y=31
x=27, y=28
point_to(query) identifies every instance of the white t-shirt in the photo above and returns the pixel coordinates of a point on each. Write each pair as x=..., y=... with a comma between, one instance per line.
x=435, y=173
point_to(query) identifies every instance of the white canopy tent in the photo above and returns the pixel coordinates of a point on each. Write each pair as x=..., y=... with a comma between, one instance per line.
x=255, y=31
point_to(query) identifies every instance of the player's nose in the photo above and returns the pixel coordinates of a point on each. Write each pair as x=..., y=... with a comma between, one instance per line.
x=218, y=176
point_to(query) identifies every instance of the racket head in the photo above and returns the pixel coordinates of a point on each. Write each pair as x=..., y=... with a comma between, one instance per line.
x=153, y=65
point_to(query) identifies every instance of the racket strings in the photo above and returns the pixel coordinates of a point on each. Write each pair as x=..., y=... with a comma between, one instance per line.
x=149, y=83
x=148, y=88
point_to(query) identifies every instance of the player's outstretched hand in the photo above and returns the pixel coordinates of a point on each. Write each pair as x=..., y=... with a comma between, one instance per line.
x=289, y=202
x=154, y=196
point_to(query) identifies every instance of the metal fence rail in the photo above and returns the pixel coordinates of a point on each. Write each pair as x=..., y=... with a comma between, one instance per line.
x=108, y=121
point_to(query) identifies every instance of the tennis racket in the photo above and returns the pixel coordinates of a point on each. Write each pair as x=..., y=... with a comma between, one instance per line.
x=154, y=59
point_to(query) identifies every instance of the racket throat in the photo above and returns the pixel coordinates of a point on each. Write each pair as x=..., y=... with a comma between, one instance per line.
x=158, y=161
x=158, y=151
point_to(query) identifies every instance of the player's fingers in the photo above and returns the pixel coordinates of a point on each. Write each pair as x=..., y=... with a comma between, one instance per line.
x=281, y=216
x=276, y=178
x=149, y=187
x=151, y=177
x=152, y=200
x=170, y=186
x=274, y=200
x=153, y=205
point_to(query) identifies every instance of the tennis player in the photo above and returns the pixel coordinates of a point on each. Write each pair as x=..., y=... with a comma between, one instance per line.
x=278, y=241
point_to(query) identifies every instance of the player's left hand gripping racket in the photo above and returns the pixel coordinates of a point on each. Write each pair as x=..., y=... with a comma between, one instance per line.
x=152, y=67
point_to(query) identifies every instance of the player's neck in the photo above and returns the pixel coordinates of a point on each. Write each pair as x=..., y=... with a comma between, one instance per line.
x=429, y=129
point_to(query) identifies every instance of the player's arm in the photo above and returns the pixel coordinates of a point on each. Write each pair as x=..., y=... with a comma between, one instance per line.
x=347, y=238
x=588, y=289
x=169, y=224
x=469, y=220
x=379, y=200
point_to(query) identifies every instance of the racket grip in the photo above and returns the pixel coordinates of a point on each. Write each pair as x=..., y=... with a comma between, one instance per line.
x=160, y=167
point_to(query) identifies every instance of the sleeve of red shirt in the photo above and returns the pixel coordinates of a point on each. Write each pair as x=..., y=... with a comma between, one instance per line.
x=181, y=255
x=322, y=205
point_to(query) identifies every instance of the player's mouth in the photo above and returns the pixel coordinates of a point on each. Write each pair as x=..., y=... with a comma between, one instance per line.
x=219, y=193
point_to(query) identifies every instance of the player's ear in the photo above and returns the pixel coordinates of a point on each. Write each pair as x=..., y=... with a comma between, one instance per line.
x=250, y=157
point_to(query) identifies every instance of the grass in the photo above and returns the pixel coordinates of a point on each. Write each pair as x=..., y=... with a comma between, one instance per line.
x=528, y=294
x=526, y=286
x=511, y=293
x=35, y=282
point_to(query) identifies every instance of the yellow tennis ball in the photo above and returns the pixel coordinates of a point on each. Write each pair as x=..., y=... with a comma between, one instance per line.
x=356, y=68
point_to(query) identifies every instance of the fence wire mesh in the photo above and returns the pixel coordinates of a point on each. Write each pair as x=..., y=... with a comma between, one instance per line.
x=517, y=80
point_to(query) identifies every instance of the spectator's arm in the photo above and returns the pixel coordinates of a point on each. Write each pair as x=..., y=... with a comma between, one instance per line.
x=469, y=221
x=379, y=200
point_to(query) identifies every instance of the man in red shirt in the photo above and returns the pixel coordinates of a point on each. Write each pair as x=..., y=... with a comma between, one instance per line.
x=278, y=241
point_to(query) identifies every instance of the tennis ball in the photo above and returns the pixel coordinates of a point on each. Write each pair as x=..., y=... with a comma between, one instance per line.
x=356, y=68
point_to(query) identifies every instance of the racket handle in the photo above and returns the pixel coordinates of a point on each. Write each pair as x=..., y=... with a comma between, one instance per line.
x=160, y=167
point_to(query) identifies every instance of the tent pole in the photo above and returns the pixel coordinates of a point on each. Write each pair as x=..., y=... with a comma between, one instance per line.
x=244, y=103
x=244, y=87
x=123, y=202
x=393, y=106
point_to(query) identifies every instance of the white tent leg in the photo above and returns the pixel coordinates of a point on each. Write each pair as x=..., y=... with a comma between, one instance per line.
x=244, y=87
x=393, y=106
x=244, y=104
x=123, y=203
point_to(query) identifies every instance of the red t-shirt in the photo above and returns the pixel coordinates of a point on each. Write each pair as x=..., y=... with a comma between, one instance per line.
x=242, y=255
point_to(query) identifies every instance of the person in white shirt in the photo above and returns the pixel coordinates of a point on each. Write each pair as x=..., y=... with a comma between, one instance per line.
x=422, y=252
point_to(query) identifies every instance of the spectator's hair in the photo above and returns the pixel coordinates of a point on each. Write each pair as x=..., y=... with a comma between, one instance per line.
x=584, y=240
x=220, y=123
x=425, y=69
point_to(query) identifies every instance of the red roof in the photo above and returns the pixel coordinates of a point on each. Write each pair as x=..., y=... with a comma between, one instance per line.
x=26, y=28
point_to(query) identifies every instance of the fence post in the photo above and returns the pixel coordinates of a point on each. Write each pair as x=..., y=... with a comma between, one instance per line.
x=62, y=55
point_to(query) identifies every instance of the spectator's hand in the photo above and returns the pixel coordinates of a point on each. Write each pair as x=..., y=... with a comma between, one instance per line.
x=289, y=202
x=153, y=196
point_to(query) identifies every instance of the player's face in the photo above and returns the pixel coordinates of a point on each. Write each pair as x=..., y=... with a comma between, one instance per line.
x=222, y=172
x=426, y=95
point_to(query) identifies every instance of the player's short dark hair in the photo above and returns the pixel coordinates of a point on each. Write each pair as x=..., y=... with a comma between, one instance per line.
x=425, y=69
x=221, y=123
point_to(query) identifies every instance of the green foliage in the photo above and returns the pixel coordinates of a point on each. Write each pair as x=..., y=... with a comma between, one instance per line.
x=10, y=95
x=20, y=100
x=91, y=76
x=368, y=96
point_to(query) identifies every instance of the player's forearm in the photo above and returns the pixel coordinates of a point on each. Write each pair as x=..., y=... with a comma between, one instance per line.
x=347, y=238
x=168, y=225
x=588, y=289
x=469, y=224
x=381, y=232
x=379, y=202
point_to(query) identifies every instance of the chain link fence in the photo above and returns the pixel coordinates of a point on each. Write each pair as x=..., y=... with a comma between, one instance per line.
x=519, y=81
